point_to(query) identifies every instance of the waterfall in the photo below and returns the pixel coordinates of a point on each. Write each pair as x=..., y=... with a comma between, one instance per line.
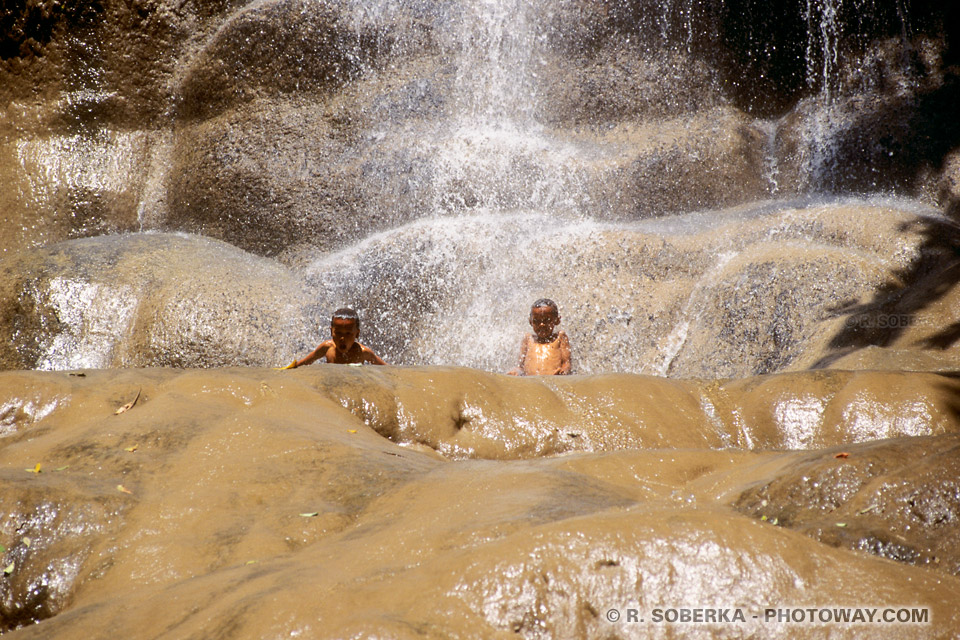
x=439, y=166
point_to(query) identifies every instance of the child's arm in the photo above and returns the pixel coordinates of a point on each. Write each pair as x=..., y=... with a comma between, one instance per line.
x=313, y=356
x=518, y=371
x=367, y=355
x=565, y=360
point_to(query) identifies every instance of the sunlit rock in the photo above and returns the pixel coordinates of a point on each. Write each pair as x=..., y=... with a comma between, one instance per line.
x=741, y=292
x=149, y=300
x=239, y=490
x=894, y=498
x=68, y=186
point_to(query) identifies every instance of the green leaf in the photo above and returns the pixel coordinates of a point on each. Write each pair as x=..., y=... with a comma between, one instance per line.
x=3, y=549
x=841, y=524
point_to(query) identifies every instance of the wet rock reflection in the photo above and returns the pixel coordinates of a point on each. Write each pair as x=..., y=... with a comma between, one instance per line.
x=239, y=490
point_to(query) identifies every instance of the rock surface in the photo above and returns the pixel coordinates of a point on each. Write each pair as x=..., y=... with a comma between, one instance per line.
x=222, y=497
x=149, y=300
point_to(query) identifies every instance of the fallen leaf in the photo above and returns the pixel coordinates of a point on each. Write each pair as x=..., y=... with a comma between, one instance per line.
x=775, y=521
x=841, y=524
x=3, y=549
x=132, y=449
x=36, y=469
x=129, y=405
x=78, y=375
x=764, y=518
x=123, y=489
x=8, y=569
x=842, y=454
x=867, y=510
x=310, y=515
x=251, y=562
x=26, y=541
x=61, y=468
x=351, y=430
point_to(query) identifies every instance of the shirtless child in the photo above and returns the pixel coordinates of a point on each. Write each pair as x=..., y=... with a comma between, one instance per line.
x=544, y=352
x=343, y=347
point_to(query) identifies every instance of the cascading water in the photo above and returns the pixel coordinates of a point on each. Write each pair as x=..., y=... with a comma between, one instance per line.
x=517, y=209
x=440, y=166
x=709, y=189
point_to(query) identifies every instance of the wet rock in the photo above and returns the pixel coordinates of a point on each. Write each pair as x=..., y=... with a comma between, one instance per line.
x=464, y=413
x=83, y=111
x=746, y=291
x=50, y=527
x=757, y=310
x=245, y=487
x=149, y=300
x=276, y=48
x=898, y=499
x=71, y=186
x=709, y=160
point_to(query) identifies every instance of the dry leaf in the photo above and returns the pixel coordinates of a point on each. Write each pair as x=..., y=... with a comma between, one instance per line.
x=36, y=469
x=8, y=569
x=842, y=454
x=312, y=514
x=351, y=430
x=123, y=489
x=129, y=405
x=132, y=449
x=26, y=541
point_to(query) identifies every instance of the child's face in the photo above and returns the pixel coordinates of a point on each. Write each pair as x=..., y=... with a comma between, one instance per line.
x=344, y=333
x=544, y=320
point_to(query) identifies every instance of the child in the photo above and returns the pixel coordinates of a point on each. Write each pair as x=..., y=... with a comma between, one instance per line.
x=343, y=347
x=544, y=352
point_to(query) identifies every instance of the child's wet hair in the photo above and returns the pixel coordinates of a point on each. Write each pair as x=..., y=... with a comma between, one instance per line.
x=545, y=302
x=346, y=314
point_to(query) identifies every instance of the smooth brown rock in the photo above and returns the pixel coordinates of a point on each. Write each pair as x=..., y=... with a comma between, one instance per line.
x=253, y=501
x=149, y=299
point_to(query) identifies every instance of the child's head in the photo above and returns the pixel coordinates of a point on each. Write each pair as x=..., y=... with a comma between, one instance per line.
x=344, y=328
x=544, y=317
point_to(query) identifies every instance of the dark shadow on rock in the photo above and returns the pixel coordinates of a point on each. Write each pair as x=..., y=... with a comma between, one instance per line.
x=895, y=140
x=895, y=306
x=893, y=498
x=766, y=54
x=943, y=339
x=953, y=392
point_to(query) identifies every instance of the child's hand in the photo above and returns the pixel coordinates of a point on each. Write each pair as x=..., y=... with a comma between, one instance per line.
x=292, y=365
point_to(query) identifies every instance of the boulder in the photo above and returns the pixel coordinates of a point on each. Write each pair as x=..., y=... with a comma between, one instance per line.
x=149, y=300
